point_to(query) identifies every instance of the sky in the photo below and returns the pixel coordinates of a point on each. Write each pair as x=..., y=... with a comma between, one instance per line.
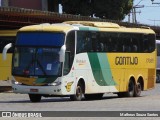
x=149, y=14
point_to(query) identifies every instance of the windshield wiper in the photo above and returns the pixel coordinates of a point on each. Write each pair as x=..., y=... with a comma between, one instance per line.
x=38, y=63
x=41, y=67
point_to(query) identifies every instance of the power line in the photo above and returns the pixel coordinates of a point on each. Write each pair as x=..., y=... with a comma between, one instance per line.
x=151, y=6
x=155, y=2
x=139, y=2
x=134, y=12
x=153, y=21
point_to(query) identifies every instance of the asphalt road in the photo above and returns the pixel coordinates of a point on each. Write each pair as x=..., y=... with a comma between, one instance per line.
x=149, y=101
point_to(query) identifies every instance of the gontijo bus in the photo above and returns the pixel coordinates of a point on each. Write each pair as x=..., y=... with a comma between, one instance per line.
x=78, y=58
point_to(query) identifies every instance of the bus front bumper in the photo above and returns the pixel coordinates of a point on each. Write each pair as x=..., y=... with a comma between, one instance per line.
x=44, y=90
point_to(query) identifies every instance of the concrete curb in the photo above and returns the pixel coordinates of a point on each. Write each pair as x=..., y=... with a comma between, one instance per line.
x=5, y=89
x=5, y=85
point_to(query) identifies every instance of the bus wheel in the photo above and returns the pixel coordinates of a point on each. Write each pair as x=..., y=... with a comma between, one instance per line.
x=138, y=89
x=78, y=95
x=121, y=94
x=97, y=96
x=131, y=87
x=35, y=97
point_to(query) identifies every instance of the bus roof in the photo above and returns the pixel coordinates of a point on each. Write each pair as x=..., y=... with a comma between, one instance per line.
x=86, y=25
x=58, y=27
x=94, y=24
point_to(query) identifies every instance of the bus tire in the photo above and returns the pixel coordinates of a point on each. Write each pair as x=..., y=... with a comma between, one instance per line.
x=35, y=97
x=97, y=96
x=131, y=89
x=78, y=95
x=121, y=94
x=138, y=89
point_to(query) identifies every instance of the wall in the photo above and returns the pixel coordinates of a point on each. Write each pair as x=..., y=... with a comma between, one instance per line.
x=30, y=4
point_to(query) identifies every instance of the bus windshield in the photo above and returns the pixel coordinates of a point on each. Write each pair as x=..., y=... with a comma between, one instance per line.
x=37, y=54
x=29, y=61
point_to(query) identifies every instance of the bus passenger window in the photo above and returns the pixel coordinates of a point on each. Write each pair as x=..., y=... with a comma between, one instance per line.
x=67, y=63
x=70, y=51
x=83, y=42
x=134, y=48
x=151, y=39
x=145, y=45
x=101, y=47
x=88, y=44
x=109, y=45
x=158, y=49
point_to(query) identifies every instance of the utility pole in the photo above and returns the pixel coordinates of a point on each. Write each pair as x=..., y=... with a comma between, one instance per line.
x=4, y=3
x=44, y=5
x=153, y=21
x=158, y=4
x=134, y=12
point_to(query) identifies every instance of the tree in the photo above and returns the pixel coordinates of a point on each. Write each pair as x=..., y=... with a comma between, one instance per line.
x=77, y=7
x=108, y=9
x=53, y=5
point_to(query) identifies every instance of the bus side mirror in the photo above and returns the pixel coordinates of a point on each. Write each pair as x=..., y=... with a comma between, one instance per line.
x=62, y=53
x=5, y=49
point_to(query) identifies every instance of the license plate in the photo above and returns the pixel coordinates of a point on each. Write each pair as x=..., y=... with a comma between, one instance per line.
x=33, y=90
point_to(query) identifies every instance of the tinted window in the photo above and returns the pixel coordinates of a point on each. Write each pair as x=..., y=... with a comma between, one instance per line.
x=158, y=49
x=40, y=39
x=114, y=42
x=70, y=52
x=39, y=61
x=84, y=41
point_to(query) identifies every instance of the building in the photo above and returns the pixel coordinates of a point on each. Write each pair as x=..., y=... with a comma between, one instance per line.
x=36, y=11
x=45, y=5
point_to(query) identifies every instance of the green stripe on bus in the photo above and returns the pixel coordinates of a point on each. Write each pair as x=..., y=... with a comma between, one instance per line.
x=40, y=80
x=50, y=80
x=89, y=28
x=105, y=68
x=101, y=69
x=46, y=80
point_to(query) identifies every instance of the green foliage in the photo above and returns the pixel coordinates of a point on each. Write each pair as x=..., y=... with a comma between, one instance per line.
x=82, y=7
x=108, y=9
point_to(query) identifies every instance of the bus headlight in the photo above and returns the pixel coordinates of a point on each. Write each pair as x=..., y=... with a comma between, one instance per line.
x=15, y=82
x=54, y=84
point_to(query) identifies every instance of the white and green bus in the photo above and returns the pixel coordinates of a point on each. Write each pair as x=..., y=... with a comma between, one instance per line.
x=77, y=58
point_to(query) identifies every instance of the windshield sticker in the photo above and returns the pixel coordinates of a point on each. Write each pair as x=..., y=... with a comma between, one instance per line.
x=49, y=66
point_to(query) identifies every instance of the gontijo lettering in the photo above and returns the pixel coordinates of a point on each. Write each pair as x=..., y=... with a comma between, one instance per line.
x=126, y=60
